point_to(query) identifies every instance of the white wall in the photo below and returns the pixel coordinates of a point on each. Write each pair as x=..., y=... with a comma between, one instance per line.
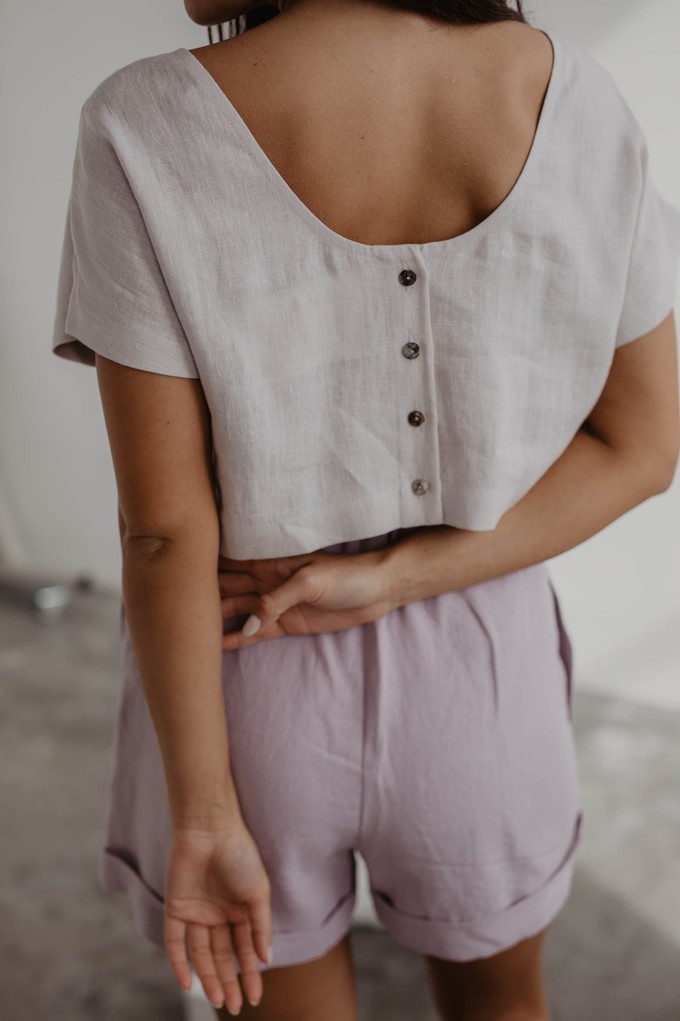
x=620, y=590
x=56, y=479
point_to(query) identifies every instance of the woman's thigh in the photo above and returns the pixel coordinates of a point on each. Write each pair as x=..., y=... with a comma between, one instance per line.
x=507, y=985
x=320, y=990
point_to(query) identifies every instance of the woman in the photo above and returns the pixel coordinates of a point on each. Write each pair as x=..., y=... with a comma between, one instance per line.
x=364, y=270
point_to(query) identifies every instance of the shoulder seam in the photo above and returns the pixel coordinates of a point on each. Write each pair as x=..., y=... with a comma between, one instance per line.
x=107, y=91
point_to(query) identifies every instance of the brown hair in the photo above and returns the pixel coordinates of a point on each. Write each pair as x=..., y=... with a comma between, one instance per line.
x=458, y=12
x=464, y=12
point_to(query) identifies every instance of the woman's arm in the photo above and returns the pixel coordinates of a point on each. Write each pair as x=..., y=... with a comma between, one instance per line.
x=159, y=433
x=216, y=890
x=172, y=604
x=626, y=452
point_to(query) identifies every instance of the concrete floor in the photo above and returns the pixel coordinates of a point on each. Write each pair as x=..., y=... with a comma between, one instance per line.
x=68, y=951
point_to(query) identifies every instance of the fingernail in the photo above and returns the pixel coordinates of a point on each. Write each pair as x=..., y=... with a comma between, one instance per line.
x=269, y=955
x=253, y=1003
x=252, y=625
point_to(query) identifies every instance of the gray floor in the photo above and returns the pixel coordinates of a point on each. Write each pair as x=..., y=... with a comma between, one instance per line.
x=68, y=951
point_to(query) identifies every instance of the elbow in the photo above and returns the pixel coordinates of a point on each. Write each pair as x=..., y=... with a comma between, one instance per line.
x=652, y=461
x=666, y=471
x=661, y=468
x=150, y=545
x=147, y=546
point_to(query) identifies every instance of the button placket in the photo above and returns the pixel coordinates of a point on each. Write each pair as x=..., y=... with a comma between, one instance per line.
x=411, y=350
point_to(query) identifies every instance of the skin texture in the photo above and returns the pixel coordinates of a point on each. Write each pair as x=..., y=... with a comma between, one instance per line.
x=504, y=987
x=320, y=990
x=440, y=123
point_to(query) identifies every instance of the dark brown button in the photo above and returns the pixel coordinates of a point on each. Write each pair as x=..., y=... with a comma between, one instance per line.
x=410, y=349
x=416, y=418
x=407, y=277
x=420, y=486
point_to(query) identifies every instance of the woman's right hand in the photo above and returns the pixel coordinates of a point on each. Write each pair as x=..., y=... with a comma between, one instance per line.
x=215, y=887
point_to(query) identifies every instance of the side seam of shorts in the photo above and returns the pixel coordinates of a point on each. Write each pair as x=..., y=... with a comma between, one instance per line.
x=566, y=649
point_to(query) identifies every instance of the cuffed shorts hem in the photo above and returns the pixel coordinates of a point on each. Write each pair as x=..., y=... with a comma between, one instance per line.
x=119, y=876
x=483, y=937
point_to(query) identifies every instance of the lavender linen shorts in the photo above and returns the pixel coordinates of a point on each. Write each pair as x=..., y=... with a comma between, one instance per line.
x=437, y=742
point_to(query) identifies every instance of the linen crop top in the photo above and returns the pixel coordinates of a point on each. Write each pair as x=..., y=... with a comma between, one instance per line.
x=355, y=389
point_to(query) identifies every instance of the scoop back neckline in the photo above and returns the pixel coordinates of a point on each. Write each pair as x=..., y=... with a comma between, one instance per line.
x=279, y=184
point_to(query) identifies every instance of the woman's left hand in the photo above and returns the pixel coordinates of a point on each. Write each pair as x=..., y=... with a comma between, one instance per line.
x=301, y=595
x=218, y=894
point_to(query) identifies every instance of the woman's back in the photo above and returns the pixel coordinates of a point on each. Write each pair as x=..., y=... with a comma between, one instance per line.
x=400, y=290
x=389, y=129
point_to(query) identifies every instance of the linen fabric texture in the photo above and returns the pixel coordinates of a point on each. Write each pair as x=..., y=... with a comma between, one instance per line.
x=186, y=253
x=436, y=743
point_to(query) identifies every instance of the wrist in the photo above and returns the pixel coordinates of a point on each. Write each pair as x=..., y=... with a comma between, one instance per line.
x=409, y=567
x=208, y=815
x=214, y=827
x=388, y=568
x=225, y=822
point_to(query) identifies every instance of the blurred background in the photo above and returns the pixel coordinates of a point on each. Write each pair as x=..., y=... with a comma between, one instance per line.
x=70, y=949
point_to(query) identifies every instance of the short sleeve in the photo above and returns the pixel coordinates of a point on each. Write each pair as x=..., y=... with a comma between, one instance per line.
x=654, y=256
x=112, y=297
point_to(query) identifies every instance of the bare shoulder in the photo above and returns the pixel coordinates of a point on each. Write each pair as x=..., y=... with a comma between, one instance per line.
x=539, y=53
x=510, y=77
x=526, y=58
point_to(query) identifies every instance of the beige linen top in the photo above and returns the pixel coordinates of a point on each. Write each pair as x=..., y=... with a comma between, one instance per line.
x=355, y=389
